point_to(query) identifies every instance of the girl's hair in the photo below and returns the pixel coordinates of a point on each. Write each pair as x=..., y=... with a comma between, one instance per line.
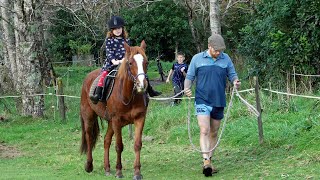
x=124, y=33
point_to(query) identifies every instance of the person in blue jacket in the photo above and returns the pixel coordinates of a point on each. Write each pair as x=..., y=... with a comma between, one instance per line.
x=211, y=69
x=178, y=71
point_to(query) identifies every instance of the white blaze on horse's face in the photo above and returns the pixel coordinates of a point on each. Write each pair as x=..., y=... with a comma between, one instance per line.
x=141, y=75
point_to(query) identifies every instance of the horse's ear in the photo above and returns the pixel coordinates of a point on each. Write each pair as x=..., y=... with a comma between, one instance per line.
x=143, y=45
x=126, y=47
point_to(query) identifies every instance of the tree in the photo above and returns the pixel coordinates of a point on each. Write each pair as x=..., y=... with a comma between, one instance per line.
x=282, y=34
x=215, y=24
x=23, y=51
x=164, y=26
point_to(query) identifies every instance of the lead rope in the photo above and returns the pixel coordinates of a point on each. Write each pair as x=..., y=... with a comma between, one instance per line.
x=223, y=126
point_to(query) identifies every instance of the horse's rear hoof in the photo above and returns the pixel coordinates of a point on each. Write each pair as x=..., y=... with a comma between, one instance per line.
x=119, y=176
x=107, y=173
x=137, y=177
x=88, y=167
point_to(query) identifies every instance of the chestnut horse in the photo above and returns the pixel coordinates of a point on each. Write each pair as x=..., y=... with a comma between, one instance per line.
x=127, y=104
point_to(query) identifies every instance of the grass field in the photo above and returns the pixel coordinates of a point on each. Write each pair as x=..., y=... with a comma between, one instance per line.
x=49, y=149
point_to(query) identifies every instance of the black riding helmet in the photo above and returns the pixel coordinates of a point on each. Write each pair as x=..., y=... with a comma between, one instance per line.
x=116, y=22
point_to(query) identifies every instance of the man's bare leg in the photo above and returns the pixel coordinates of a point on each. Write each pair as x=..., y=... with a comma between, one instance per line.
x=214, y=129
x=204, y=124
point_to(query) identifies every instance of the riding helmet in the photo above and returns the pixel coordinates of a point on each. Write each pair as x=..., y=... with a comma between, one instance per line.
x=116, y=22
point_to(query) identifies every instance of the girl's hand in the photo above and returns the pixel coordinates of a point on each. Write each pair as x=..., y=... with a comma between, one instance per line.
x=116, y=62
x=120, y=61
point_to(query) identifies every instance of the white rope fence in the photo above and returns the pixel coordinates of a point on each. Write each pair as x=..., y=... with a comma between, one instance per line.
x=175, y=96
x=290, y=94
x=305, y=75
x=76, y=61
x=32, y=95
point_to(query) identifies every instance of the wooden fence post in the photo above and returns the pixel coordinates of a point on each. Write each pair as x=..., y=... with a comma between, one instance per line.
x=61, y=106
x=310, y=84
x=130, y=131
x=260, y=128
x=288, y=88
x=294, y=80
x=270, y=91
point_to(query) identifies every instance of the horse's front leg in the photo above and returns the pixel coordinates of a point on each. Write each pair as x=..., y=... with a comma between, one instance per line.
x=107, y=143
x=119, y=147
x=137, y=148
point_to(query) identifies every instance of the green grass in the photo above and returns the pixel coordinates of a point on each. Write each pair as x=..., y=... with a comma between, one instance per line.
x=49, y=149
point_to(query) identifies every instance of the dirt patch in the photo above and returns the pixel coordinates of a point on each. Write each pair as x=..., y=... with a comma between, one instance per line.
x=155, y=82
x=8, y=151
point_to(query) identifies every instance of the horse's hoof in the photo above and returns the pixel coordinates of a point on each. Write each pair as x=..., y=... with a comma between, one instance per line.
x=88, y=167
x=108, y=173
x=119, y=176
x=137, y=177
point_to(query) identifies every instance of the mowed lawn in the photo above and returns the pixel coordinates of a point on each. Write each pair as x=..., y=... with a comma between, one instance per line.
x=49, y=149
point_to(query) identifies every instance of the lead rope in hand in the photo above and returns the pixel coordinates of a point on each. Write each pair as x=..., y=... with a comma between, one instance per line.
x=222, y=130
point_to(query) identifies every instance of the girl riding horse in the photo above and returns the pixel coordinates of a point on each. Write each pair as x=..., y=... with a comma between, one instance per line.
x=115, y=52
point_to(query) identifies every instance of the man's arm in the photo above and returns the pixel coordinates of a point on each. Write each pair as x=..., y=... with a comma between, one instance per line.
x=190, y=76
x=187, y=87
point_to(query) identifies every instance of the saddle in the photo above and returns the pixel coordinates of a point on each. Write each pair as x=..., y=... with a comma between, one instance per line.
x=108, y=84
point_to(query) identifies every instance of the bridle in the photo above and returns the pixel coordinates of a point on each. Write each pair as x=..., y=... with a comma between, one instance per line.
x=135, y=82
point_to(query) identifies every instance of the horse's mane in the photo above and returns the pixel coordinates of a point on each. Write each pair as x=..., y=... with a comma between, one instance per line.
x=122, y=71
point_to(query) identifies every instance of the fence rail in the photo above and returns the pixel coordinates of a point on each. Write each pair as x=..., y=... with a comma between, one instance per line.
x=61, y=103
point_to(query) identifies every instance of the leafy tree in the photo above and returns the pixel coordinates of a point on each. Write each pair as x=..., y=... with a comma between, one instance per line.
x=68, y=38
x=163, y=25
x=282, y=34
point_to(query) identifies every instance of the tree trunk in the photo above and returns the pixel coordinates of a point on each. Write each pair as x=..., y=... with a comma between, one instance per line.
x=215, y=25
x=28, y=53
x=190, y=6
x=8, y=43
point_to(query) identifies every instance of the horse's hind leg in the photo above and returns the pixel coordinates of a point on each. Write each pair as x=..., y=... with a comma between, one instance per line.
x=137, y=148
x=119, y=146
x=107, y=143
x=90, y=132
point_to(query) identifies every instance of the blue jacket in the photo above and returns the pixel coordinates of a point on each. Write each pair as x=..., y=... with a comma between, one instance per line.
x=114, y=50
x=211, y=78
x=178, y=77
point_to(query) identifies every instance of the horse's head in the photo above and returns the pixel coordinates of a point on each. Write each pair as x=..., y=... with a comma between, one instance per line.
x=136, y=63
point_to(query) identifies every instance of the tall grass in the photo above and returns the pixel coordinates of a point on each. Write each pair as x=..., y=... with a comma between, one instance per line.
x=49, y=149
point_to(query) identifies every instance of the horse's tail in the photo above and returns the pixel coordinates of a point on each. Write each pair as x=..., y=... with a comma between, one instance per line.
x=88, y=117
x=93, y=135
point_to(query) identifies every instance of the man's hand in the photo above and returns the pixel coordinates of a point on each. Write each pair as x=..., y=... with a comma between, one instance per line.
x=236, y=83
x=188, y=92
x=168, y=80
